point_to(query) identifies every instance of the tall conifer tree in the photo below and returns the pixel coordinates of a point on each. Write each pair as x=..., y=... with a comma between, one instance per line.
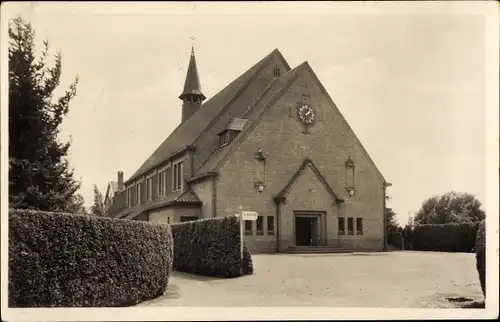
x=40, y=176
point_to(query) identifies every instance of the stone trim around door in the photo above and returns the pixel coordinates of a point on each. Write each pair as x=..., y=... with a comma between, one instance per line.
x=318, y=234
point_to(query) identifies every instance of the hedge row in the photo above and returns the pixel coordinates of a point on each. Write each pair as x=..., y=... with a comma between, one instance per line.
x=481, y=255
x=395, y=239
x=459, y=237
x=64, y=260
x=210, y=247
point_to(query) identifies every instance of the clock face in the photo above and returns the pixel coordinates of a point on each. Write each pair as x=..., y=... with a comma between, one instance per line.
x=306, y=114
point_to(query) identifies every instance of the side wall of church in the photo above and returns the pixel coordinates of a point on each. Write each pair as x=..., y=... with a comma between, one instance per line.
x=204, y=191
x=162, y=215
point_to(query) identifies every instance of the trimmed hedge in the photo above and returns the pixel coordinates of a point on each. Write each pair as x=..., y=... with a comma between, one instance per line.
x=459, y=237
x=210, y=247
x=481, y=255
x=396, y=239
x=65, y=260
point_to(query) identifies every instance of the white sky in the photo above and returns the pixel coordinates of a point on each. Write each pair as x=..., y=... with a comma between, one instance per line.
x=412, y=86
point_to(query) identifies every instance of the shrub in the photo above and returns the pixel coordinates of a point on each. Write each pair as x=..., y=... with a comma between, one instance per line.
x=406, y=231
x=456, y=237
x=63, y=260
x=247, y=262
x=210, y=247
x=396, y=239
x=481, y=255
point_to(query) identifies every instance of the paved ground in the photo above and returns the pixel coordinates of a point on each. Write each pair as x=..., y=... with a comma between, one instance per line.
x=389, y=280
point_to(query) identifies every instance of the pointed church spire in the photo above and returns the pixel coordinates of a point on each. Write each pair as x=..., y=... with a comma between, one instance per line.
x=192, y=88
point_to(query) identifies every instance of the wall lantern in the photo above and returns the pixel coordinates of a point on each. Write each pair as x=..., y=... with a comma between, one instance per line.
x=349, y=176
x=259, y=170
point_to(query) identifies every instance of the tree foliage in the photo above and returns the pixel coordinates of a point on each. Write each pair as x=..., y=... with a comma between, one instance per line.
x=40, y=176
x=392, y=224
x=451, y=207
x=97, y=209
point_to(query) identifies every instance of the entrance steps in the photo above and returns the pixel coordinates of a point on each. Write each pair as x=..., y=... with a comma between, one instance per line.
x=316, y=250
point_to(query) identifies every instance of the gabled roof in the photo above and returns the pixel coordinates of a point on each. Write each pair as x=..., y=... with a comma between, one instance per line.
x=208, y=116
x=281, y=196
x=266, y=100
x=113, y=186
x=188, y=196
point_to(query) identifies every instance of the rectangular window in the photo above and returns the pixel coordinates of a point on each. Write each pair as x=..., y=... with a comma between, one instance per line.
x=248, y=227
x=341, y=226
x=129, y=197
x=174, y=177
x=224, y=138
x=134, y=195
x=350, y=226
x=260, y=225
x=149, y=189
x=168, y=180
x=168, y=220
x=359, y=226
x=154, y=187
x=161, y=183
x=270, y=225
x=188, y=218
x=138, y=196
x=177, y=176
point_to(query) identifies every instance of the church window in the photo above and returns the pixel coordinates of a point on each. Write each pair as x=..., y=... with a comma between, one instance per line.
x=161, y=183
x=149, y=188
x=350, y=226
x=177, y=176
x=359, y=226
x=224, y=138
x=129, y=197
x=341, y=226
x=248, y=227
x=270, y=225
x=260, y=225
x=168, y=181
x=138, y=194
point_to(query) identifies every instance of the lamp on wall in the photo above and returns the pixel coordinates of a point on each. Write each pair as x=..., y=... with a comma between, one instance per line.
x=259, y=170
x=349, y=176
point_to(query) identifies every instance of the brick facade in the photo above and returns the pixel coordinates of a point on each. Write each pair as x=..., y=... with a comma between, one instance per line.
x=288, y=173
x=329, y=144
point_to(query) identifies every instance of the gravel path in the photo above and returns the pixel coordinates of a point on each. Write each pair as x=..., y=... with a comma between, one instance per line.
x=389, y=280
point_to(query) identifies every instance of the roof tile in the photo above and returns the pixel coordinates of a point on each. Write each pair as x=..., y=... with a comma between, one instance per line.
x=191, y=129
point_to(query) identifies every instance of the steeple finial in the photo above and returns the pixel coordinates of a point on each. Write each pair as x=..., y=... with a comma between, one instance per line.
x=192, y=85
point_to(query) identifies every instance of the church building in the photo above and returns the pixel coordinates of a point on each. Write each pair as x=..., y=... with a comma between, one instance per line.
x=274, y=142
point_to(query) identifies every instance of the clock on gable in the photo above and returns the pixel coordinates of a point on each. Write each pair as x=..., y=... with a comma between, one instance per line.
x=306, y=114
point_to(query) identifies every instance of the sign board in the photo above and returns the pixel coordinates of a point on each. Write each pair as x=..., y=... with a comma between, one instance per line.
x=249, y=215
